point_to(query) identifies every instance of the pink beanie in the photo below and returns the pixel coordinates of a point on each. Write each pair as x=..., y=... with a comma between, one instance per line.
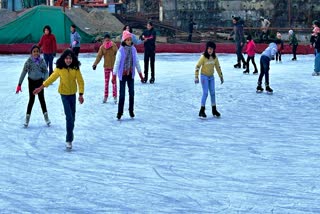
x=126, y=35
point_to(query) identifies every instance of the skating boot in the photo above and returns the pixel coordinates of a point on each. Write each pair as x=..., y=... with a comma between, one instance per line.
x=255, y=71
x=115, y=100
x=202, y=114
x=105, y=99
x=316, y=74
x=145, y=79
x=152, y=80
x=246, y=71
x=259, y=89
x=119, y=115
x=244, y=66
x=215, y=112
x=68, y=145
x=26, y=123
x=238, y=65
x=131, y=113
x=46, y=118
x=269, y=90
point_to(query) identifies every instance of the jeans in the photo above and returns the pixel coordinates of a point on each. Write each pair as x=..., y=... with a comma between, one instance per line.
x=317, y=62
x=264, y=70
x=122, y=91
x=49, y=61
x=208, y=85
x=69, y=105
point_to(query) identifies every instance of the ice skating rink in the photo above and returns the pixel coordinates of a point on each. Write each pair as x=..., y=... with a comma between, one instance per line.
x=261, y=156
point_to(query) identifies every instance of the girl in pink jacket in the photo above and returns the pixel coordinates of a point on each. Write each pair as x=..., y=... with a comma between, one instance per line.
x=250, y=50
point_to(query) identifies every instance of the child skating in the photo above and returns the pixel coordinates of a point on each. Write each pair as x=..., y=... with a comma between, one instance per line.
x=250, y=50
x=36, y=68
x=126, y=62
x=267, y=55
x=108, y=51
x=208, y=62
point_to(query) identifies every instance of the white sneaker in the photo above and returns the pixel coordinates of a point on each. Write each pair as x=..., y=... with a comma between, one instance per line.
x=46, y=118
x=316, y=74
x=105, y=99
x=115, y=100
x=26, y=123
x=68, y=145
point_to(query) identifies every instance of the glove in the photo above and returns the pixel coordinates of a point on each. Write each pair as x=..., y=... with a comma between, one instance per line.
x=141, y=76
x=94, y=67
x=74, y=42
x=114, y=79
x=81, y=100
x=221, y=80
x=18, y=89
x=196, y=80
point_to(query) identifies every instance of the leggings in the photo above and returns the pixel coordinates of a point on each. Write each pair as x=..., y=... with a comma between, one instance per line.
x=33, y=84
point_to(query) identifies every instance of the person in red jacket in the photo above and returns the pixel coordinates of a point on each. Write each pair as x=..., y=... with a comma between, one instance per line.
x=48, y=44
x=250, y=50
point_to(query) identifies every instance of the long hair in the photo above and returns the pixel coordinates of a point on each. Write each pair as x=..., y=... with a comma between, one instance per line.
x=212, y=45
x=47, y=27
x=75, y=62
x=125, y=28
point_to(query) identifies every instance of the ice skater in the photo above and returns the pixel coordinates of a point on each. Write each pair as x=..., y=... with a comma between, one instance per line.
x=208, y=62
x=75, y=39
x=267, y=55
x=68, y=70
x=250, y=50
x=315, y=43
x=279, y=43
x=126, y=62
x=108, y=51
x=36, y=68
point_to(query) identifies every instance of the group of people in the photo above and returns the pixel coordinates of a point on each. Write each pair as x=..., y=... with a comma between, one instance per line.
x=119, y=63
x=273, y=51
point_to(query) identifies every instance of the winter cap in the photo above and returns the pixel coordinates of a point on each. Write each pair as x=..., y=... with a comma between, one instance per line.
x=126, y=35
x=261, y=18
x=33, y=47
x=290, y=32
x=107, y=35
x=249, y=37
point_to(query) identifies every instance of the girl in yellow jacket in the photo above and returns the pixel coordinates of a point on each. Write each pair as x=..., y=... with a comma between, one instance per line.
x=208, y=62
x=68, y=69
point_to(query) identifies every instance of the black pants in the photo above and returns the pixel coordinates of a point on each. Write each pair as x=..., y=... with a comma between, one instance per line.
x=253, y=63
x=76, y=51
x=122, y=92
x=33, y=84
x=294, y=51
x=278, y=56
x=149, y=55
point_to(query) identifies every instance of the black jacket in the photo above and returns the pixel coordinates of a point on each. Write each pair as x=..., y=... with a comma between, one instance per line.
x=150, y=44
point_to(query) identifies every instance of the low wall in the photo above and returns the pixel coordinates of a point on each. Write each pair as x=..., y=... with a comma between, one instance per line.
x=160, y=48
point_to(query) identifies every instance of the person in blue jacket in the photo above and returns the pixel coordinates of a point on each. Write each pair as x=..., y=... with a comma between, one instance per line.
x=75, y=40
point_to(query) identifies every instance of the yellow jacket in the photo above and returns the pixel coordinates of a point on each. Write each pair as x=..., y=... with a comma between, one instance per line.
x=207, y=66
x=69, y=80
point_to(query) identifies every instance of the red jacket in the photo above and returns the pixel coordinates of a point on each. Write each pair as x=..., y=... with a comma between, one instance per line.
x=251, y=46
x=48, y=44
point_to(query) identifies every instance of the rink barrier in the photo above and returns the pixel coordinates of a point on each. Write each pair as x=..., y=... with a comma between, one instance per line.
x=160, y=48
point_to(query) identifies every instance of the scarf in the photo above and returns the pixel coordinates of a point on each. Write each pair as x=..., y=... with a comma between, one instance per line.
x=127, y=69
x=107, y=45
x=36, y=60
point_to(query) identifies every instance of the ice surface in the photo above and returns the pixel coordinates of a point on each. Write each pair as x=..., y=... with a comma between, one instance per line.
x=261, y=156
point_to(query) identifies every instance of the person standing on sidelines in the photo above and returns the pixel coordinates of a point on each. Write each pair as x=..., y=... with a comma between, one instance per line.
x=149, y=38
x=293, y=41
x=75, y=40
x=48, y=44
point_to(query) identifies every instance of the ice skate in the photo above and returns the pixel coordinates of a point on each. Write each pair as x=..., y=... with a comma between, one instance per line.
x=316, y=73
x=46, y=118
x=246, y=72
x=131, y=113
x=119, y=115
x=152, y=80
x=68, y=145
x=269, y=90
x=238, y=65
x=26, y=123
x=259, y=89
x=215, y=112
x=105, y=99
x=115, y=100
x=202, y=114
x=255, y=72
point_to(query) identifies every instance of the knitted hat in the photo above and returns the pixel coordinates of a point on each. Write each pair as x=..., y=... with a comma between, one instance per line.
x=290, y=32
x=126, y=35
x=33, y=47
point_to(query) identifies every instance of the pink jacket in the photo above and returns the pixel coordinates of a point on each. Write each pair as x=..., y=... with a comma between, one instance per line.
x=251, y=46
